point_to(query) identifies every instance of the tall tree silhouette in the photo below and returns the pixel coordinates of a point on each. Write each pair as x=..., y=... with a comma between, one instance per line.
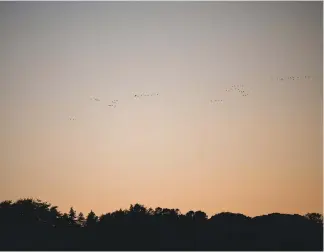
x=92, y=219
x=72, y=217
x=81, y=219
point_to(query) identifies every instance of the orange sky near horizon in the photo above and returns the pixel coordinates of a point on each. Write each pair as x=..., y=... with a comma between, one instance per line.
x=254, y=154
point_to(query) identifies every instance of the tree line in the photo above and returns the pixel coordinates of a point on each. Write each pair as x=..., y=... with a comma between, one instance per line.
x=30, y=224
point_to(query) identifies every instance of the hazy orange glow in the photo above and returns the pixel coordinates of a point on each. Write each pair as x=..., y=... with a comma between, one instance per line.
x=254, y=155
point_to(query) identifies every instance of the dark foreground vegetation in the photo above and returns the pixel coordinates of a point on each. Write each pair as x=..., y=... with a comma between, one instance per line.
x=29, y=224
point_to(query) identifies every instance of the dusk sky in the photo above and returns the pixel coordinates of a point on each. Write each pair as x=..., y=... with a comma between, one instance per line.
x=254, y=154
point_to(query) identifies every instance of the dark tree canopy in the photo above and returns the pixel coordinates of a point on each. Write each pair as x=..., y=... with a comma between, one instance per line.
x=29, y=224
x=316, y=217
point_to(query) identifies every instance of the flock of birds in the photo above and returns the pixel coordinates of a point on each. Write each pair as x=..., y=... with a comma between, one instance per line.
x=216, y=101
x=293, y=78
x=137, y=96
x=238, y=88
x=114, y=103
x=94, y=98
x=234, y=88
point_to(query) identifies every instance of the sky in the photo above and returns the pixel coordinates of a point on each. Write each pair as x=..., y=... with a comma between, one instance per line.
x=254, y=154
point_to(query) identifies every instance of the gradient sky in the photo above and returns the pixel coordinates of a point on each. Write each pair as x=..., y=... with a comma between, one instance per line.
x=255, y=155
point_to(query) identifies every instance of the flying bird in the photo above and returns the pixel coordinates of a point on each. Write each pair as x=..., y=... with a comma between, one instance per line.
x=94, y=98
x=216, y=101
x=145, y=94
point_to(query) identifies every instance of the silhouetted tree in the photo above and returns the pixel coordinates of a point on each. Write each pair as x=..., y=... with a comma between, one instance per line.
x=200, y=216
x=316, y=217
x=29, y=224
x=92, y=219
x=190, y=215
x=81, y=219
x=72, y=217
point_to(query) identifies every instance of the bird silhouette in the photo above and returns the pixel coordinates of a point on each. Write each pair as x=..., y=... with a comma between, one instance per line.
x=216, y=101
x=94, y=98
x=293, y=78
x=145, y=94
